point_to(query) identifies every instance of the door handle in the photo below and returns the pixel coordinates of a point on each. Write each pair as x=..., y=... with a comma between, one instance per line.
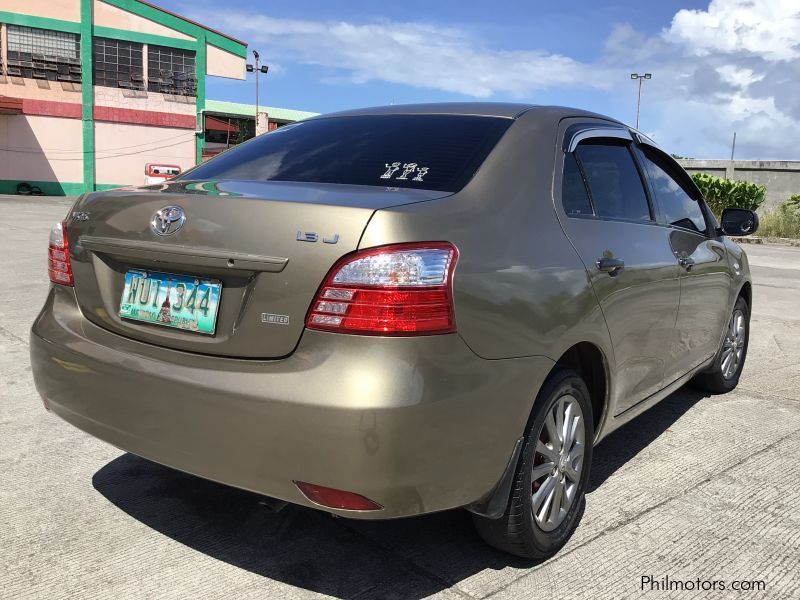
x=686, y=262
x=612, y=266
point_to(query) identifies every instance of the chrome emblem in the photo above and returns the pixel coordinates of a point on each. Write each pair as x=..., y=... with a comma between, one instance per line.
x=168, y=220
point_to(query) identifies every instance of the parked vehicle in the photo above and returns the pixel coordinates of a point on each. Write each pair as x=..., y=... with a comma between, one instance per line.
x=395, y=311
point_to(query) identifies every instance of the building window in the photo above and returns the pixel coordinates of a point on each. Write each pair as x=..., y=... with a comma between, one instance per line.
x=118, y=64
x=43, y=54
x=171, y=71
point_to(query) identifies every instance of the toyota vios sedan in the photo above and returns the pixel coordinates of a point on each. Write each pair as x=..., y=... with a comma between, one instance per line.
x=394, y=311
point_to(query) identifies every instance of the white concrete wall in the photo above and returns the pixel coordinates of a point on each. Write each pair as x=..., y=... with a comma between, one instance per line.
x=123, y=150
x=36, y=148
x=780, y=177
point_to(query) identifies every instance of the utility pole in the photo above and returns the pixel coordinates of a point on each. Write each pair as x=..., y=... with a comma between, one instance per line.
x=640, y=77
x=257, y=68
x=733, y=145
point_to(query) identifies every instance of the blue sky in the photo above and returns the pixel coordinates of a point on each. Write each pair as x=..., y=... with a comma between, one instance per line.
x=718, y=66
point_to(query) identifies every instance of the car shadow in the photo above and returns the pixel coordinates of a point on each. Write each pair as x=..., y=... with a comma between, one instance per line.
x=406, y=558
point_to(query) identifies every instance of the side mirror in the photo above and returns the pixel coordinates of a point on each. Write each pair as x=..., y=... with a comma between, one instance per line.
x=739, y=221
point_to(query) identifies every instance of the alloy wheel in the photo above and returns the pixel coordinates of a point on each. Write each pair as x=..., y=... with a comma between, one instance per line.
x=733, y=346
x=558, y=462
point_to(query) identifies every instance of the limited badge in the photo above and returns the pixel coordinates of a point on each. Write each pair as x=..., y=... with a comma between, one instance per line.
x=274, y=319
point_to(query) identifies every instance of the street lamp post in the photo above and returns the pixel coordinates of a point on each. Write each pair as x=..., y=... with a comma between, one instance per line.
x=257, y=68
x=640, y=77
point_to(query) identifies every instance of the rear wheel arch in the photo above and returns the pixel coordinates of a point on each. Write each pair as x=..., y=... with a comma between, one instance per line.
x=589, y=362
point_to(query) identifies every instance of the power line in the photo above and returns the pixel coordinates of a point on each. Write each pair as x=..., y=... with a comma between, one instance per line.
x=97, y=157
x=185, y=136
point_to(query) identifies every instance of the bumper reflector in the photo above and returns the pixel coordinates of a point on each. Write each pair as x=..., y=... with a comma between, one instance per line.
x=332, y=498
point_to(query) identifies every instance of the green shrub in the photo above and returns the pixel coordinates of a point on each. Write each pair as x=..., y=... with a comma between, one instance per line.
x=728, y=193
x=783, y=221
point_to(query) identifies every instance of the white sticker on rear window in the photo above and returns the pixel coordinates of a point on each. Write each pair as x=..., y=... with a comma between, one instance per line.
x=408, y=169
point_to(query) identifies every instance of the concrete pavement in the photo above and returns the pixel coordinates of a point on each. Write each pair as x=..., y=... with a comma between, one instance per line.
x=698, y=487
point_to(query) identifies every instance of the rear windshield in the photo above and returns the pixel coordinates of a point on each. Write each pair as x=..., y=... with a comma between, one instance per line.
x=434, y=152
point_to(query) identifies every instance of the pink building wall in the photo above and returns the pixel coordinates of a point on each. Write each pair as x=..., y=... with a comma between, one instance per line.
x=122, y=150
x=35, y=148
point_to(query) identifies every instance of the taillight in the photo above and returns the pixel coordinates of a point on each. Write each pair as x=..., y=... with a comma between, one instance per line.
x=402, y=289
x=59, y=267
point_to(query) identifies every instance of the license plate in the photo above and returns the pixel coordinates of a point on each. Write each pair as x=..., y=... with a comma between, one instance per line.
x=178, y=301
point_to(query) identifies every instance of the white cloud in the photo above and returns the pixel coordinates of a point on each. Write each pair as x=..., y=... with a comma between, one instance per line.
x=416, y=54
x=738, y=77
x=766, y=28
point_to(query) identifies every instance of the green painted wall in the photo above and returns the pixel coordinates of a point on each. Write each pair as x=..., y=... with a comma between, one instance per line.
x=40, y=22
x=87, y=96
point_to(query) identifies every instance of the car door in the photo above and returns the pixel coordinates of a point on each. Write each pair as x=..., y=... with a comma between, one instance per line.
x=705, y=280
x=607, y=215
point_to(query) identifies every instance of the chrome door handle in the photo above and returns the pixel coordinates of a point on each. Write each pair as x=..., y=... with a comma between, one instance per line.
x=686, y=262
x=612, y=266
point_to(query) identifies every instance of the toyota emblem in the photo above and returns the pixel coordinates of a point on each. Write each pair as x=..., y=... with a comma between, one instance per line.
x=168, y=220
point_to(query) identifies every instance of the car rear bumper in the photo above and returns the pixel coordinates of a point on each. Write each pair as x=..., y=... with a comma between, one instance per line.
x=415, y=424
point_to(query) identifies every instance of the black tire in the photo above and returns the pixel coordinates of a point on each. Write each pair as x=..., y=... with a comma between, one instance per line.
x=517, y=531
x=714, y=379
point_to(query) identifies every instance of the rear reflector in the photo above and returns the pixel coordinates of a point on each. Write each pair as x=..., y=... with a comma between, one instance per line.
x=402, y=289
x=332, y=498
x=59, y=267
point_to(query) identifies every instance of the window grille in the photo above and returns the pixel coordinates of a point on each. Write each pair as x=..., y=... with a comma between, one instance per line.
x=43, y=54
x=171, y=71
x=118, y=64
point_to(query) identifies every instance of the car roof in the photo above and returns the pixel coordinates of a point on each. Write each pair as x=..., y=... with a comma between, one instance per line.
x=507, y=110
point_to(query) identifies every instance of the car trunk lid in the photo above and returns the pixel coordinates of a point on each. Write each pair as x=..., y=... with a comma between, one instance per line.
x=269, y=244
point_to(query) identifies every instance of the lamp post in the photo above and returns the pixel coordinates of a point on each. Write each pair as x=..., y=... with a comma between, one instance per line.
x=256, y=68
x=640, y=77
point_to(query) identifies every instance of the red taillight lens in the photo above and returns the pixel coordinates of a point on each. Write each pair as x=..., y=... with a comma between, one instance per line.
x=402, y=289
x=336, y=498
x=59, y=268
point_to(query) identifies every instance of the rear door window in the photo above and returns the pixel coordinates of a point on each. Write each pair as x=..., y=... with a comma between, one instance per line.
x=435, y=152
x=573, y=190
x=679, y=208
x=615, y=186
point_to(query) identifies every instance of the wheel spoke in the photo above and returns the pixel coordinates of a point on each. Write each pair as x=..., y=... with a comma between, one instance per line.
x=545, y=450
x=576, y=452
x=542, y=498
x=572, y=473
x=541, y=470
x=552, y=430
x=555, y=506
x=573, y=428
x=559, y=423
x=727, y=356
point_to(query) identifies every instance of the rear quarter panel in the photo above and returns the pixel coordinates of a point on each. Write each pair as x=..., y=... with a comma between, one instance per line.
x=520, y=288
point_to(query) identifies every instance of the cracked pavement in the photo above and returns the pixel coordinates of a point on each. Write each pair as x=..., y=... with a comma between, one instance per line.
x=698, y=487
